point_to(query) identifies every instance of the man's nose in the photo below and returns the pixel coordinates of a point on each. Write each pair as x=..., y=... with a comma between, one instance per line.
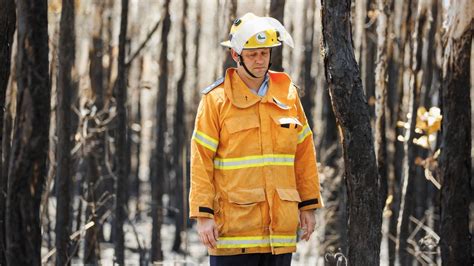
x=260, y=58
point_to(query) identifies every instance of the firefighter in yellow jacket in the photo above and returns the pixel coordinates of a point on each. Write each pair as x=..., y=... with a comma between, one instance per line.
x=254, y=178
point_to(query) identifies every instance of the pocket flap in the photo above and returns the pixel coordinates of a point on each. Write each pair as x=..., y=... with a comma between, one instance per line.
x=282, y=120
x=289, y=194
x=247, y=196
x=236, y=124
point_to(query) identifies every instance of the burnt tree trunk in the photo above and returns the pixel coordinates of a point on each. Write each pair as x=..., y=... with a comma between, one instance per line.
x=158, y=160
x=277, y=11
x=27, y=166
x=7, y=28
x=409, y=174
x=121, y=138
x=307, y=100
x=94, y=156
x=455, y=163
x=399, y=22
x=368, y=56
x=352, y=114
x=381, y=95
x=229, y=62
x=179, y=135
x=64, y=94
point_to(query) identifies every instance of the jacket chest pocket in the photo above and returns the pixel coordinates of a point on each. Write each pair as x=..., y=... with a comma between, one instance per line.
x=285, y=134
x=243, y=135
x=242, y=211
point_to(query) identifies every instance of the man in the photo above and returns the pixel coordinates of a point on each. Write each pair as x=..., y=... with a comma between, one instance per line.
x=254, y=177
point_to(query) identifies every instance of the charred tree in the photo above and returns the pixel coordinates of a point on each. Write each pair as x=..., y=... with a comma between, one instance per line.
x=7, y=29
x=455, y=163
x=399, y=22
x=368, y=55
x=411, y=150
x=121, y=136
x=277, y=11
x=352, y=114
x=381, y=95
x=158, y=160
x=179, y=130
x=94, y=152
x=232, y=9
x=27, y=165
x=307, y=100
x=66, y=57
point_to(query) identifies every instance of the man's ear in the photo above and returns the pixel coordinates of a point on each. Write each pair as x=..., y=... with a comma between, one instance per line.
x=234, y=55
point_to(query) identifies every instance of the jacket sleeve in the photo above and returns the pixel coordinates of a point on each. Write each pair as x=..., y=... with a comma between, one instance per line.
x=306, y=169
x=204, y=143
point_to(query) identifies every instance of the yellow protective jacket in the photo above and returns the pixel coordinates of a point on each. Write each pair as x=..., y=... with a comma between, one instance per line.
x=253, y=165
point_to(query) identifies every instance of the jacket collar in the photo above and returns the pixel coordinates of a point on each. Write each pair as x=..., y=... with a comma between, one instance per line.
x=280, y=92
x=236, y=90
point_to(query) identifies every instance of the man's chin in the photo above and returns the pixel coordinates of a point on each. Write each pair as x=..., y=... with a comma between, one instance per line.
x=259, y=72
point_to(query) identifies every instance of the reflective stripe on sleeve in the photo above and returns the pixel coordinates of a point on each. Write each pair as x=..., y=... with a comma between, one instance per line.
x=205, y=140
x=254, y=161
x=283, y=240
x=306, y=131
x=257, y=241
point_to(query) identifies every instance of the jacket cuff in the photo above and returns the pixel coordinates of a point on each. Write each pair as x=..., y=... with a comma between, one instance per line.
x=310, y=204
x=204, y=212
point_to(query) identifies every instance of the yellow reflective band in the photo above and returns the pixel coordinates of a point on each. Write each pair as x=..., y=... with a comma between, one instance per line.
x=306, y=131
x=254, y=161
x=256, y=241
x=205, y=140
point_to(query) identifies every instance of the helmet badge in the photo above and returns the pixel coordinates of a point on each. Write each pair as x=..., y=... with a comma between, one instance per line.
x=261, y=37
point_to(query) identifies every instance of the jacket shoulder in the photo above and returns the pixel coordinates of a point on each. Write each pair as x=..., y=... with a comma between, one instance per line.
x=214, y=85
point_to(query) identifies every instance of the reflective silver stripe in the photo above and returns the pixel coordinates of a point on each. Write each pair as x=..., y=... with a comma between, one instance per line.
x=237, y=242
x=205, y=140
x=254, y=161
x=283, y=240
x=304, y=133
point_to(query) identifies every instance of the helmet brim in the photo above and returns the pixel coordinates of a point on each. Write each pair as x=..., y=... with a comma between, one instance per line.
x=227, y=44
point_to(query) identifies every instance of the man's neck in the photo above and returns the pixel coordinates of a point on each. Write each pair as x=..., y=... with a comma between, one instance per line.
x=252, y=83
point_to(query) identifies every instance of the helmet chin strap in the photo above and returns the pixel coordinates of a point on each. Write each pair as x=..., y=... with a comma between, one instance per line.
x=241, y=61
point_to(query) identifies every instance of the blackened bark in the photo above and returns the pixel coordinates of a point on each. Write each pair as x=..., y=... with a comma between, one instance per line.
x=121, y=136
x=395, y=183
x=352, y=113
x=95, y=179
x=7, y=28
x=397, y=113
x=368, y=57
x=91, y=254
x=229, y=62
x=64, y=94
x=455, y=163
x=158, y=160
x=381, y=95
x=196, y=39
x=277, y=11
x=409, y=175
x=6, y=140
x=307, y=100
x=179, y=135
x=27, y=166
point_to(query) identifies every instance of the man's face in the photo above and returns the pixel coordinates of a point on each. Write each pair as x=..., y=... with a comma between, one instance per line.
x=256, y=60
